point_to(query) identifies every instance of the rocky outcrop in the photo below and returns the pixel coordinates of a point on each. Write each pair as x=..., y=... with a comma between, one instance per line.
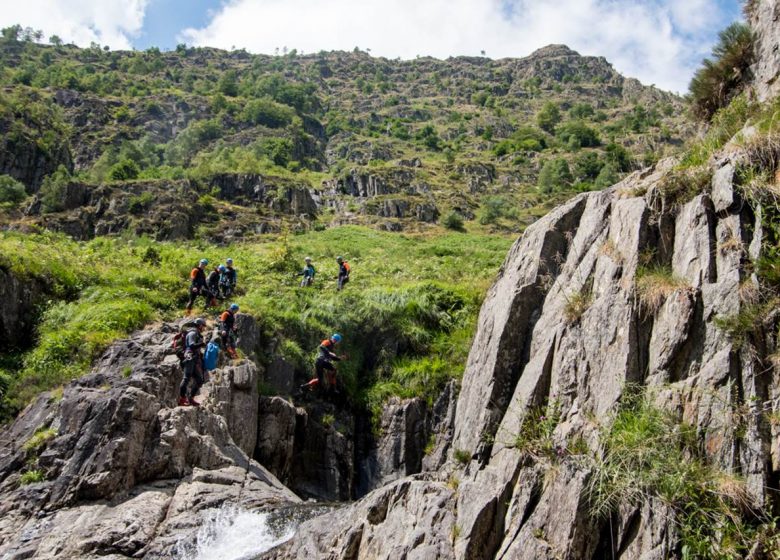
x=534, y=347
x=411, y=518
x=764, y=17
x=120, y=462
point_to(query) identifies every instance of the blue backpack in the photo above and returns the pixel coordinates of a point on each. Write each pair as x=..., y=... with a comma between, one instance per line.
x=211, y=356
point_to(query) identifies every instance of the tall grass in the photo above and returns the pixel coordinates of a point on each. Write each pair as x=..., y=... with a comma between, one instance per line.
x=407, y=315
x=650, y=453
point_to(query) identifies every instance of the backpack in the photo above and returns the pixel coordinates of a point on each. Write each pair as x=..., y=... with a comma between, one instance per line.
x=179, y=341
x=211, y=356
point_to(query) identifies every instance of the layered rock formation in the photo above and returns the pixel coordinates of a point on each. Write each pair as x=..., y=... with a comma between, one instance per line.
x=534, y=347
x=124, y=471
x=764, y=18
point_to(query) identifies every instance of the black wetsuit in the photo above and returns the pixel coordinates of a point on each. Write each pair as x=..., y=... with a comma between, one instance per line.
x=192, y=364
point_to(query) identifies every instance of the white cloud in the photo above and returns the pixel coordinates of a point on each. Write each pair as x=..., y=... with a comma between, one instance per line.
x=108, y=22
x=657, y=41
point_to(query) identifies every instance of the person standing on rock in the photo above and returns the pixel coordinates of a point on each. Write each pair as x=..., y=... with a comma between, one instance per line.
x=343, y=276
x=198, y=285
x=307, y=273
x=227, y=330
x=192, y=365
x=324, y=365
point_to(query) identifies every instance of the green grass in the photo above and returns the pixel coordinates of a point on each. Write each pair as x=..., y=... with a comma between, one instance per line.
x=40, y=438
x=650, y=453
x=407, y=316
x=31, y=477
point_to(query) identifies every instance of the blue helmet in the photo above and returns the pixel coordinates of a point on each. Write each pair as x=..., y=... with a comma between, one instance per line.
x=221, y=268
x=336, y=337
x=233, y=307
x=204, y=262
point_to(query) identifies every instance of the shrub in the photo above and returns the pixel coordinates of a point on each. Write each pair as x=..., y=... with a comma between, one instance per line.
x=548, y=117
x=453, y=221
x=53, y=190
x=555, y=175
x=125, y=170
x=428, y=137
x=461, y=456
x=268, y=113
x=608, y=176
x=576, y=134
x=11, y=190
x=725, y=76
x=140, y=203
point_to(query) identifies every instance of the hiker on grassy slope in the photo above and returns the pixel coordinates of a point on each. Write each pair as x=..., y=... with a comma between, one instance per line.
x=323, y=366
x=198, y=285
x=227, y=330
x=307, y=273
x=192, y=365
x=343, y=276
x=229, y=279
x=212, y=282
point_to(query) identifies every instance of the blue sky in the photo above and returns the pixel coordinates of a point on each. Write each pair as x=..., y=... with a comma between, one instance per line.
x=660, y=42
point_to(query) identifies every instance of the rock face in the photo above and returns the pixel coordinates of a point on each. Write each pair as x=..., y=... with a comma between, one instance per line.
x=133, y=473
x=764, y=18
x=533, y=348
x=18, y=300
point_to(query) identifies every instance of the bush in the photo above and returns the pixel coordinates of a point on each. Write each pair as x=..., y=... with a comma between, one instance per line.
x=576, y=134
x=268, y=113
x=53, y=190
x=555, y=175
x=548, y=117
x=453, y=221
x=720, y=80
x=125, y=170
x=11, y=190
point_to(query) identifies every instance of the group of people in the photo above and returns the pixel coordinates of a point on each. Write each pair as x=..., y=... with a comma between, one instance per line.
x=309, y=271
x=219, y=284
x=193, y=350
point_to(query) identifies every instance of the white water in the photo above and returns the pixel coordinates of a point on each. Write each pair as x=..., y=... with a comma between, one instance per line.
x=231, y=533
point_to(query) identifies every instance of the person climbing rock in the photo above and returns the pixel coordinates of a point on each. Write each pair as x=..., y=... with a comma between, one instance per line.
x=212, y=283
x=227, y=330
x=307, y=273
x=192, y=365
x=229, y=279
x=343, y=276
x=323, y=366
x=198, y=285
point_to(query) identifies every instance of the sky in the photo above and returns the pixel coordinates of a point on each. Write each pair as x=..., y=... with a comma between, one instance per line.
x=660, y=42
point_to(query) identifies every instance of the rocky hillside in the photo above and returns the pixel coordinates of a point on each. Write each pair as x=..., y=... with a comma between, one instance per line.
x=607, y=408
x=358, y=139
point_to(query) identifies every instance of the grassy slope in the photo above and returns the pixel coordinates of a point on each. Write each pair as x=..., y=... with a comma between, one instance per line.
x=407, y=316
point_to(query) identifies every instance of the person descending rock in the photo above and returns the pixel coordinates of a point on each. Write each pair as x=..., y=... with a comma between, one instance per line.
x=307, y=273
x=324, y=365
x=212, y=282
x=198, y=285
x=229, y=279
x=227, y=330
x=192, y=365
x=343, y=277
